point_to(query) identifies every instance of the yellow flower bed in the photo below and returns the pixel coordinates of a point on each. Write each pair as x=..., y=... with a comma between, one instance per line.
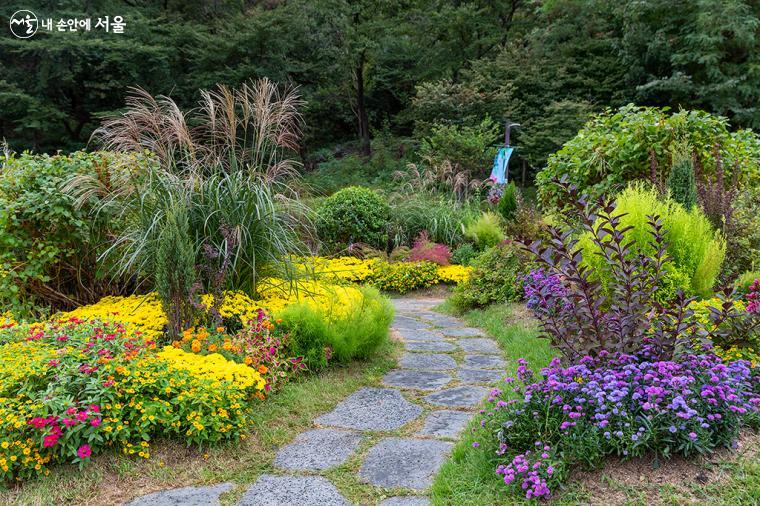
x=140, y=313
x=213, y=367
x=455, y=274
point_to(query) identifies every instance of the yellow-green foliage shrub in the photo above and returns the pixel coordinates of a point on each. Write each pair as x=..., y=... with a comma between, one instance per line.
x=403, y=277
x=695, y=249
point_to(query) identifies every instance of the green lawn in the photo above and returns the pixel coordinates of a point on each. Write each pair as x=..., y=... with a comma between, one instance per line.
x=469, y=477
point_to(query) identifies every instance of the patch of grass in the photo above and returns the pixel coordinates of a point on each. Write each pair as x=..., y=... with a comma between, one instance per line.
x=113, y=478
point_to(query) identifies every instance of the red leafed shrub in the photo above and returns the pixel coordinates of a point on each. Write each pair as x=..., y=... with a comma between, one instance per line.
x=425, y=249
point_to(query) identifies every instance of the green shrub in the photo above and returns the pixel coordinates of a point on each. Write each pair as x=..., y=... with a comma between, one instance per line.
x=507, y=205
x=470, y=147
x=695, y=250
x=356, y=335
x=681, y=182
x=403, y=277
x=49, y=246
x=528, y=224
x=485, y=231
x=353, y=215
x=743, y=236
x=744, y=281
x=496, y=277
x=463, y=254
x=615, y=147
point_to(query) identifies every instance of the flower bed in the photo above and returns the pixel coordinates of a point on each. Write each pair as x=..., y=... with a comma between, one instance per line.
x=68, y=389
x=398, y=277
x=619, y=404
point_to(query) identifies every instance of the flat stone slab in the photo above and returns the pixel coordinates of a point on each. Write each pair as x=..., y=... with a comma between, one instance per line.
x=462, y=332
x=421, y=335
x=480, y=376
x=484, y=362
x=419, y=380
x=407, y=500
x=317, y=450
x=270, y=490
x=440, y=320
x=429, y=346
x=479, y=345
x=405, y=322
x=372, y=409
x=445, y=423
x=400, y=462
x=458, y=397
x=427, y=361
x=190, y=496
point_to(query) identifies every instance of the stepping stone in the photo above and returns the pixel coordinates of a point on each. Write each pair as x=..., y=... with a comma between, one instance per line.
x=317, y=450
x=406, y=323
x=190, y=496
x=462, y=332
x=270, y=490
x=421, y=335
x=419, y=380
x=480, y=376
x=445, y=423
x=429, y=346
x=372, y=409
x=441, y=320
x=409, y=500
x=458, y=397
x=479, y=345
x=427, y=361
x=484, y=362
x=408, y=463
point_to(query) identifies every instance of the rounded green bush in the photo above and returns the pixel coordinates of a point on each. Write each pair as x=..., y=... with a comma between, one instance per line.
x=354, y=215
x=496, y=277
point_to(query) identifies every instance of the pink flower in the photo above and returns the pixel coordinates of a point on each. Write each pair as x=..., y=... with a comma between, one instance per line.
x=50, y=440
x=95, y=422
x=71, y=411
x=54, y=363
x=84, y=451
x=69, y=422
x=82, y=416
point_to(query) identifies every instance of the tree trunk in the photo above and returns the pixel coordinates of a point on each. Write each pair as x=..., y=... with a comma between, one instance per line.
x=361, y=107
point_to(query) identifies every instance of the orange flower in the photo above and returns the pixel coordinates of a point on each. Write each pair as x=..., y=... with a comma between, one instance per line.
x=259, y=396
x=195, y=346
x=227, y=344
x=212, y=348
x=176, y=344
x=263, y=369
x=248, y=360
x=220, y=329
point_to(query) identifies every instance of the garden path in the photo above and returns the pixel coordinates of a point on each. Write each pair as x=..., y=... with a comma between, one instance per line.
x=398, y=434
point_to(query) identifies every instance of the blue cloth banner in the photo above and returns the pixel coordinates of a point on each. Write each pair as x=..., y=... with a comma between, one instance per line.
x=500, y=164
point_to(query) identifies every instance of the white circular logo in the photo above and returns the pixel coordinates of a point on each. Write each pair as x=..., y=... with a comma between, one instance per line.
x=23, y=24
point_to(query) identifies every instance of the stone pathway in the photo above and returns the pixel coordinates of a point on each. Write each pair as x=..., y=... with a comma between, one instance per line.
x=441, y=378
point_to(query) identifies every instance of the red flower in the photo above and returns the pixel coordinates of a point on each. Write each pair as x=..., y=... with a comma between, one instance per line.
x=84, y=451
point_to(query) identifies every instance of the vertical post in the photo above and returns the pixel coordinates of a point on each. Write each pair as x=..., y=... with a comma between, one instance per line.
x=507, y=128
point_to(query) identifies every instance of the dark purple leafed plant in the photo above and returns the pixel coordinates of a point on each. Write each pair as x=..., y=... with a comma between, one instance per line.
x=569, y=300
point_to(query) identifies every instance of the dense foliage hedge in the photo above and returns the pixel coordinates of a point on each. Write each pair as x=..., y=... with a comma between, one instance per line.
x=616, y=147
x=496, y=277
x=48, y=246
x=354, y=215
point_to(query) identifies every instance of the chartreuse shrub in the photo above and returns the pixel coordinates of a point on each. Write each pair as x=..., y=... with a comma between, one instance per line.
x=325, y=333
x=70, y=388
x=485, y=231
x=624, y=145
x=353, y=215
x=402, y=277
x=496, y=277
x=695, y=250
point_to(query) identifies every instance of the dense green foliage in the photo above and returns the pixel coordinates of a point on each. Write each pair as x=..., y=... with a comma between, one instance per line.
x=49, y=247
x=695, y=251
x=681, y=181
x=497, y=277
x=353, y=215
x=440, y=217
x=631, y=143
x=402, y=67
x=507, y=205
x=743, y=236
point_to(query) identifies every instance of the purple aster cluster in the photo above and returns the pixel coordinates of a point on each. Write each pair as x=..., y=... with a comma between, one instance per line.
x=545, y=292
x=623, y=404
x=531, y=472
